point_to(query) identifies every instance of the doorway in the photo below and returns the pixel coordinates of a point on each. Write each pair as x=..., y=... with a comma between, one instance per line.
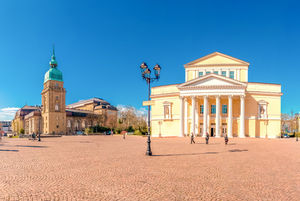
x=212, y=132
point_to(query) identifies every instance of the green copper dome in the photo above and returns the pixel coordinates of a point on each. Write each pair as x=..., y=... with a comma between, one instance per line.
x=53, y=73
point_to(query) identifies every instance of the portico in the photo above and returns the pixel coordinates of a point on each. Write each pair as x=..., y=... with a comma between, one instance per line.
x=204, y=122
x=204, y=95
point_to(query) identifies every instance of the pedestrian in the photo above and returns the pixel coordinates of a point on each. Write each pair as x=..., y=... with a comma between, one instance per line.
x=226, y=139
x=124, y=134
x=207, y=138
x=192, y=138
x=112, y=133
x=33, y=136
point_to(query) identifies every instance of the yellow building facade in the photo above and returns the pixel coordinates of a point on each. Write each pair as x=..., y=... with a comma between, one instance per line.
x=216, y=98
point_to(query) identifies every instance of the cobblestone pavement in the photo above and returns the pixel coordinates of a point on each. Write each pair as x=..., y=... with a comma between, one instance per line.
x=110, y=168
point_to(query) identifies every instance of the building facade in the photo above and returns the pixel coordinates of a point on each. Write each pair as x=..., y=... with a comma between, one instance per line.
x=216, y=98
x=54, y=117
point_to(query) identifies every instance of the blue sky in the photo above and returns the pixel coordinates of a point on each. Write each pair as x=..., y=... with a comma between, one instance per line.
x=100, y=45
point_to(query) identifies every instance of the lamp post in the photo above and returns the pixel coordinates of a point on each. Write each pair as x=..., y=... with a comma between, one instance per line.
x=146, y=74
x=39, y=130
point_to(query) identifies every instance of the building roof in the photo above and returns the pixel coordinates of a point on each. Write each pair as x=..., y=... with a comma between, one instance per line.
x=78, y=113
x=96, y=101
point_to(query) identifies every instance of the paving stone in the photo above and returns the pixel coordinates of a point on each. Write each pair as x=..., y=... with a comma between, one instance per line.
x=110, y=168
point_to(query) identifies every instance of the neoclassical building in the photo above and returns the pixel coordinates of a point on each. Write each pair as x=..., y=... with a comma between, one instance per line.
x=216, y=98
x=54, y=117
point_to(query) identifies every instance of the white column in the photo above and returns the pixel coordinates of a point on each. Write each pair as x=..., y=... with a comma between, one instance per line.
x=229, y=123
x=242, y=118
x=205, y=116
x=193, y=114
x=227, y=73
x=218, y=116
x=181, y=116
x=185, y=116
x=197, y=117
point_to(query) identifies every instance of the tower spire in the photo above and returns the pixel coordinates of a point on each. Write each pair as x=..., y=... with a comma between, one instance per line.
x=53, y=62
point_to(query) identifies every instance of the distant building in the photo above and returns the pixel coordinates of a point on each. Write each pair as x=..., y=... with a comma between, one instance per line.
x=54, y=117
x=5, y=126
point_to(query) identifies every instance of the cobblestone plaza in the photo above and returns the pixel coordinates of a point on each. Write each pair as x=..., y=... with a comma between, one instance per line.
x=110, y=168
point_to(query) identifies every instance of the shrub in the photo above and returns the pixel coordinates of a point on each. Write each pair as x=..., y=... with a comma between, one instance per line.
x=137, y=132
x=130, y=129
x=22, y=131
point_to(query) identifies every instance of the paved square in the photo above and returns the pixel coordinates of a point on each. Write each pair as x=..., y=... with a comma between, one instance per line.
x=110, y=168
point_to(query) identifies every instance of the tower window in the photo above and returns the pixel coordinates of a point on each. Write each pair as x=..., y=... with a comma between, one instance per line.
x=216, y=72
x=200, y=74
x=223, y=73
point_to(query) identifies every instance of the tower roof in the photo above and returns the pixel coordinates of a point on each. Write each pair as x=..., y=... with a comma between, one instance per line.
x=53, y=73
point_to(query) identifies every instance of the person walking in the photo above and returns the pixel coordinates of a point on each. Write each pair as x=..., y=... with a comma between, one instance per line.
x=207, y=138
x=226, y=139
x=192, y=138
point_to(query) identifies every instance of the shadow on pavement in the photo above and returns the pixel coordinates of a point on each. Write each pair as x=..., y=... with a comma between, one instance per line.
x=237, y=150
x=9, y=150
x=32, y=146
x=191, y=154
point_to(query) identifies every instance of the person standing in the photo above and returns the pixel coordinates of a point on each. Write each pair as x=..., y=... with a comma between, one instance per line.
x=207, y=138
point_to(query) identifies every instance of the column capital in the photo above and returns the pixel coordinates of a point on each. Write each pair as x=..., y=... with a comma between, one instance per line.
x=242, y=96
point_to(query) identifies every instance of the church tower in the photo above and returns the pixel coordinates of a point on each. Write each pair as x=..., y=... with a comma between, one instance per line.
x=53, y=100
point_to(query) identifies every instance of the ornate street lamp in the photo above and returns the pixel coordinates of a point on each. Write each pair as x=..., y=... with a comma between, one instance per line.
x=146, y=74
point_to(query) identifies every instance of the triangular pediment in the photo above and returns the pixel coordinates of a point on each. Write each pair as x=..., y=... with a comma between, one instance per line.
x=217, y=58
x=213, y=81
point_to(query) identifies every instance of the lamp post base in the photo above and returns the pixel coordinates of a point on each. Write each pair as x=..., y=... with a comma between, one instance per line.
x=149, y=152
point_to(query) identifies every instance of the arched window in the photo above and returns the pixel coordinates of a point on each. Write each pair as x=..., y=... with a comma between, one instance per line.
x=56, y=107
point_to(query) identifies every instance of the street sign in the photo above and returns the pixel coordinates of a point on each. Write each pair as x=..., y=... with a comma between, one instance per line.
x=146, y=103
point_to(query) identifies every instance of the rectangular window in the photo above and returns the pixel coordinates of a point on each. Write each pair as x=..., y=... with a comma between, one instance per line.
x=201, y=109
x=231, y=74
x=213, y=109
x=224, y=109
x=223, y=73
x=216, y=72
x=200, y=74
x=207, y=72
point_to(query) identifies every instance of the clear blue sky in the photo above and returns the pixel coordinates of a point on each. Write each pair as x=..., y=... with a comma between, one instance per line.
x=100, y=45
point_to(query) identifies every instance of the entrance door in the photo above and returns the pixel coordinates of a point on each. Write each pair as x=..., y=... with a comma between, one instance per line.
x=212, y=132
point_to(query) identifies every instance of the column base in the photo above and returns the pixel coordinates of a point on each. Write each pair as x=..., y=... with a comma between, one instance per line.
x=217, y=136
x=242, y=136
